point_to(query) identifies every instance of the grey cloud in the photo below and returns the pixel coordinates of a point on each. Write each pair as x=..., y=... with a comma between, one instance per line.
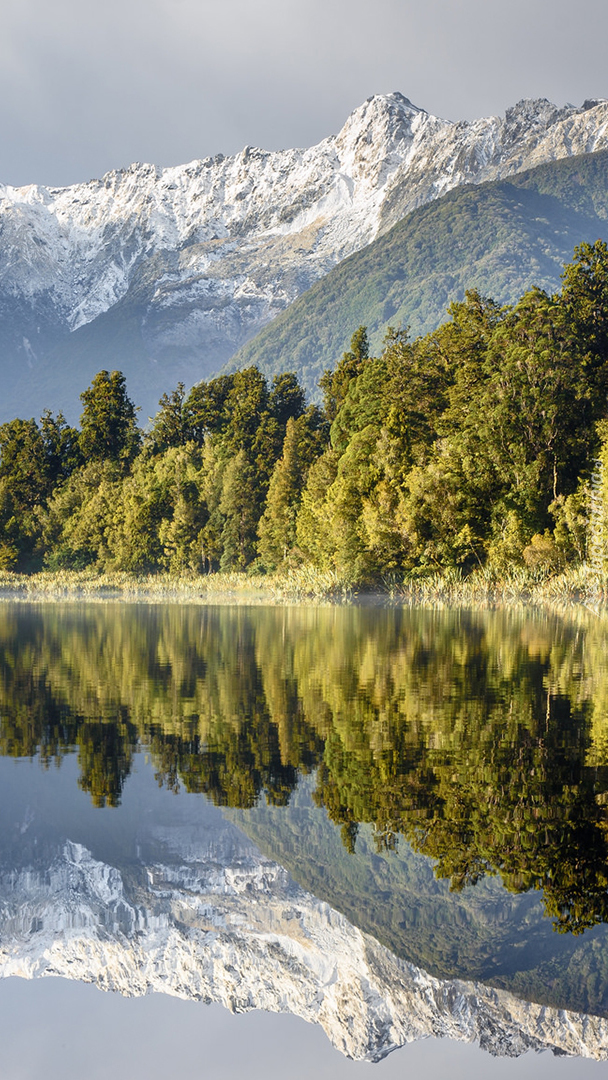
x=86, y=87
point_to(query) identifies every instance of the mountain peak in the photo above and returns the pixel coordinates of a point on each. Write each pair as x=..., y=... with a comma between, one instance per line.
x=394, y=106
x=199, y=257
x=592, y=103
x=383, y=125
x=396, y=98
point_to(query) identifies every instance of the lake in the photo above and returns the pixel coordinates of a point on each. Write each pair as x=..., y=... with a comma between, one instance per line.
x=350, y=840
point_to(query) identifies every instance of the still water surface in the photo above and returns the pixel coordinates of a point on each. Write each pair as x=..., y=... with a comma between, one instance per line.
x=390, y=823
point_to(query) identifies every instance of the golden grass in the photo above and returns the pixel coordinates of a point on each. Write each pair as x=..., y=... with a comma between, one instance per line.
x=576, y=585
x=448, y=588
x=296, y=585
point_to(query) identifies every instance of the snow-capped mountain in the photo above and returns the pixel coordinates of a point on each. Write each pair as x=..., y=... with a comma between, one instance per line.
x=201, y=914
x=166, y=272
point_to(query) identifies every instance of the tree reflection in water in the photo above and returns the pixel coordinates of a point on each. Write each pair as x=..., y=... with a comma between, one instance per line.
x=481, y=737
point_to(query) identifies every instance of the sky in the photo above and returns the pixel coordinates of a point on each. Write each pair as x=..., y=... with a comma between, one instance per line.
x=86, y=87
x=152, y=1035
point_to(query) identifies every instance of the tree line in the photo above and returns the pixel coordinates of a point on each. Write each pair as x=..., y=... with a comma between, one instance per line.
x=475, y=445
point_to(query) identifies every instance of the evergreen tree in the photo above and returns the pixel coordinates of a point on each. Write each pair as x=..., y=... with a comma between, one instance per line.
x=25, y=484
x=334, y=384
x=206, y=409
x=108, y=429
x=214, y=467
x=356, y=477
x=61, y=448
x=286, y=399
x=585, y=302
x=84, y=519
x=314, y=532
x=238, y=505
x=304, y=437
x=23, y=462
x=182, y=530
x=171, y=426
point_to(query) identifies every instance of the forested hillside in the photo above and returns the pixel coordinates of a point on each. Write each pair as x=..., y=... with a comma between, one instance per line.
x=500, y=238
x=476, y=445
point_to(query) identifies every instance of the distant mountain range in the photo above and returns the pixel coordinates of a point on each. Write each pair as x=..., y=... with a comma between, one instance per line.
x=500, y=238
x=166, y=273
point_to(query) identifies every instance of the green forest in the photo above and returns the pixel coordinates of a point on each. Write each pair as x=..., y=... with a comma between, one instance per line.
x=482, y=444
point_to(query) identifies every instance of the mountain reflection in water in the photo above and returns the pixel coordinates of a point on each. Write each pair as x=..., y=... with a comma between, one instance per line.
x=174, y=899
x=478, y=739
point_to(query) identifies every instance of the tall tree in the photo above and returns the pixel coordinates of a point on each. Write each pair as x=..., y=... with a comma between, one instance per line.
x=238, y=505
x=304, y=439
x=23, y=462
x=206, y=410
x=61, y=447
x=108, y=428
x=334, y=384
x=171, y=426
x=25, y=485
x=585, y=300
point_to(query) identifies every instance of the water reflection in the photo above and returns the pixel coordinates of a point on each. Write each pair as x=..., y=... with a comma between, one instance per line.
x=169, y=897
x=481, y=738
x=439, y=778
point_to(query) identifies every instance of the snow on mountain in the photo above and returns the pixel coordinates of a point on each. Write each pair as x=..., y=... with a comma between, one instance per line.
x=195, y=259
x=202, y=915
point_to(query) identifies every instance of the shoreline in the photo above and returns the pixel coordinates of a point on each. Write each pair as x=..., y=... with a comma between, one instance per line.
x=572, y=589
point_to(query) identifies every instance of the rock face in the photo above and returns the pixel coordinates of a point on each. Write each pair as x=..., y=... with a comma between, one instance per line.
x=166, y=272
x=201, y=914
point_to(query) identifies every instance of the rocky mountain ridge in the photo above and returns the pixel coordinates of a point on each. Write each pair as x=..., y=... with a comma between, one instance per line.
x=204, y=916
x=501, y=237
x=166, y=272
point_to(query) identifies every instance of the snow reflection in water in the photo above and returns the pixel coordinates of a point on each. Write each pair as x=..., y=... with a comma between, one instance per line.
x=373, y=718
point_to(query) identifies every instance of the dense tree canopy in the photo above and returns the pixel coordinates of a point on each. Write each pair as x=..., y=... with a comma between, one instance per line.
x=474, y=446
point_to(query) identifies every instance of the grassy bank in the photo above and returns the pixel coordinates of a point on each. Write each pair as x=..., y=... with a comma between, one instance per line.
x=160, y=587
x=577, y=585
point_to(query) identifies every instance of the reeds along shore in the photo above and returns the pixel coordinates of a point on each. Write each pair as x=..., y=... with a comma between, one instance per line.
x=578, y=585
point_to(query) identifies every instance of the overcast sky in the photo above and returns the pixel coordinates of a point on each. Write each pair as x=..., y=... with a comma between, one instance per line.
x=88, y=86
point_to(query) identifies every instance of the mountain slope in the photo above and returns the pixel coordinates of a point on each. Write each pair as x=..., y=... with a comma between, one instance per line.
x=166, y=273
x=501, y=238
